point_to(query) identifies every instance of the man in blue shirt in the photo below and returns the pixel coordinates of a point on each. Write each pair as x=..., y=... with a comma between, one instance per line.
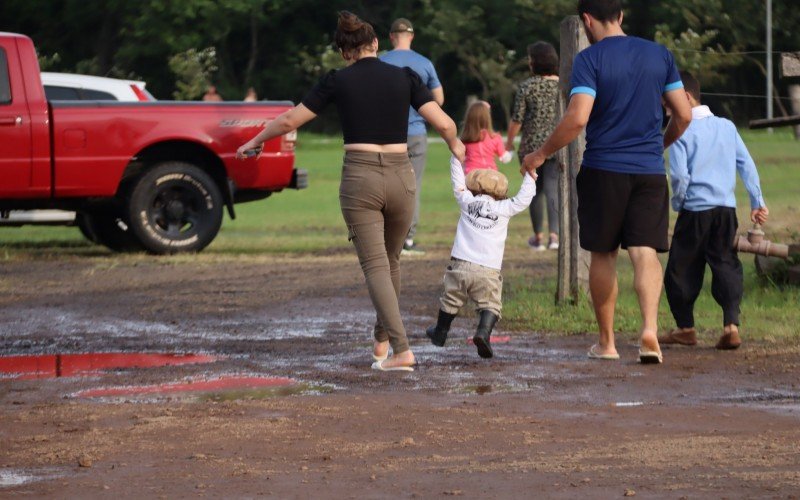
x=401, y=36
x=623, y=198
x=702, y=167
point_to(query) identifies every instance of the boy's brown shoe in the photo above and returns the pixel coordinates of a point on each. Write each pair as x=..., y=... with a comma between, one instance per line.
x=679, y=336
x=729, y=340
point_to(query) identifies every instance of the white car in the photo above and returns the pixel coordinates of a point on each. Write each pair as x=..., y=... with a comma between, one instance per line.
x=69, y=87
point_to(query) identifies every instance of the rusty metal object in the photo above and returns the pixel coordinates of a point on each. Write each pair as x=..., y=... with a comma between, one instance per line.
x=755, y=243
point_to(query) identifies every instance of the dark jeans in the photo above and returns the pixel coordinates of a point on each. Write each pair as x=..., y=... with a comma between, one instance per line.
x=377, y=199
x=702, y=238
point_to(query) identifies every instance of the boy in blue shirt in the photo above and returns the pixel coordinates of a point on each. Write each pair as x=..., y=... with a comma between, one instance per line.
x=703, y=167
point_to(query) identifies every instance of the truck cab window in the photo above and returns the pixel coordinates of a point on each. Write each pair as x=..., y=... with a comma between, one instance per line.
x=55, y=93
x=5, y=85
x=96, y=95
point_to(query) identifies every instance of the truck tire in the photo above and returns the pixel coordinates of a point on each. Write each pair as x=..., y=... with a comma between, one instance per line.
x=104, y=229
x=175, y=207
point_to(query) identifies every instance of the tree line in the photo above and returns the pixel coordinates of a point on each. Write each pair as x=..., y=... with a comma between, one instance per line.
x=280, y=47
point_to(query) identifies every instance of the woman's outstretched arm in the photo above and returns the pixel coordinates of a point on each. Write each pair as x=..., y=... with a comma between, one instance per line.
x=445, y=126
x=283, y=124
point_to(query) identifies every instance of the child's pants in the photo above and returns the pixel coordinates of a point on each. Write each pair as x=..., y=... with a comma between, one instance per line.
x=465, y=280
x=700, y=238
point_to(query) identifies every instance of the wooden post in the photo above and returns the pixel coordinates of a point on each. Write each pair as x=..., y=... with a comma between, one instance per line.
x=573, y=262
x=790, y=68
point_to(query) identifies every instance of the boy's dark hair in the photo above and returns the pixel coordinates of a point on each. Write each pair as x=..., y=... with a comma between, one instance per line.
x=691, y=85
x=544, y=58
x=604, y=11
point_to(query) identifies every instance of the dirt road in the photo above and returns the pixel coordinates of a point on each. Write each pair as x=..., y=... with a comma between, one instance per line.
x=281, y=401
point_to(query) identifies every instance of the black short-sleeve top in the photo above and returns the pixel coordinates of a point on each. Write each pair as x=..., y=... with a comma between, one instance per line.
x=373, y=98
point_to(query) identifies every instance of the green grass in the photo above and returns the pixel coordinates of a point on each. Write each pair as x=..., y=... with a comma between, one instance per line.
x=309, y=221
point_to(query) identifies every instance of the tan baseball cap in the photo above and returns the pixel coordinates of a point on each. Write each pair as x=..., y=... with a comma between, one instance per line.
x=402, y=25
x=490, y=182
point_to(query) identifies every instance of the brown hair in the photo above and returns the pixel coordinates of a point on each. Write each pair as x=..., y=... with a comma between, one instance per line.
x=352, y=34
x=691, y=85
x=477, y=119
x=544, y=59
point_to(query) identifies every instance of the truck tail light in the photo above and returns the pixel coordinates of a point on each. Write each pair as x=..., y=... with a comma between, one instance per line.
x=140, y=94
x=288, y=141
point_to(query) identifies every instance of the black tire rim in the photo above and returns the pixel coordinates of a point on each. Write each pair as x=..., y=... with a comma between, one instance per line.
x=178, y=212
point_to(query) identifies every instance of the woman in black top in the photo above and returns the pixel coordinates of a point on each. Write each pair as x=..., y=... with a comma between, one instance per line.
x=378, y=184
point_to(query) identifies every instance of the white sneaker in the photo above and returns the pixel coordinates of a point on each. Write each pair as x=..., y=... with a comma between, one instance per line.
x=553, y=245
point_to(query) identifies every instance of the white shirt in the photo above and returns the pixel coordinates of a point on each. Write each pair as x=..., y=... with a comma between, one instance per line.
x=483, y=225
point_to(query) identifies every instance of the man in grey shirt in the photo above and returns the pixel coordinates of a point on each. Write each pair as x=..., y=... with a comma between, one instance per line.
x=401, y=35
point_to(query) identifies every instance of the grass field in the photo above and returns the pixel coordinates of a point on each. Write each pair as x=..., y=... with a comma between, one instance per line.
x=310, y=221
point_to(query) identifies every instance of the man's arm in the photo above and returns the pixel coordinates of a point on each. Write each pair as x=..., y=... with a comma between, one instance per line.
x=677, y=102
x=567, y=130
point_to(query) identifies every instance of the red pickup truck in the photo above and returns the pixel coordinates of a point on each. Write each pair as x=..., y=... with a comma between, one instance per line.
x=150, y=176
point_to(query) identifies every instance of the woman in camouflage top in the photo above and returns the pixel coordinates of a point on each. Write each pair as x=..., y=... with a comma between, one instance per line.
x=534, y=112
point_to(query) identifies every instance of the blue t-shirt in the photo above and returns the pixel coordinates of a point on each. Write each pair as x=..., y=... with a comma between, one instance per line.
x=627, y=77
x=424, y=68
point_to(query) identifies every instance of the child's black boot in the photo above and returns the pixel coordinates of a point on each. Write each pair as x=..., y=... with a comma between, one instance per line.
x=483, y=335
x=438, y=333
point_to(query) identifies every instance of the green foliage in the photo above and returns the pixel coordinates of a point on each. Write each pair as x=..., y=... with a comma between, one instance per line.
x=695, y=53
x=194, y=69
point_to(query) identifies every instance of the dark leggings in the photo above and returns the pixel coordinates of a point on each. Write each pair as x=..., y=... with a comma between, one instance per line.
x=546, y=187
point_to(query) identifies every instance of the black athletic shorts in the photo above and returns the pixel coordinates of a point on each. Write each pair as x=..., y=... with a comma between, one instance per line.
x=616, y=209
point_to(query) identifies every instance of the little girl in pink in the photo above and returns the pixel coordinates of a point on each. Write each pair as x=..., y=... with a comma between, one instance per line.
x=482, y=143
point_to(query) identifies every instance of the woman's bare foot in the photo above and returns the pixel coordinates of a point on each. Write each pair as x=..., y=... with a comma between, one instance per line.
x=405, y=358
x=380, y=350
x=649, y=342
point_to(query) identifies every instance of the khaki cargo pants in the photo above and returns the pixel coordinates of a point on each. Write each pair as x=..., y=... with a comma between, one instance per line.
x=377, y=199
x=465, y=280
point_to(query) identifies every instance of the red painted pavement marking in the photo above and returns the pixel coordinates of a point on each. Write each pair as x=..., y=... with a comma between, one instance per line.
x=202, y=385
x=70, y=365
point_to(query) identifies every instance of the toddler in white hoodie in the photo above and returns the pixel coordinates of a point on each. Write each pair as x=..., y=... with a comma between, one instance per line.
x=477, y=255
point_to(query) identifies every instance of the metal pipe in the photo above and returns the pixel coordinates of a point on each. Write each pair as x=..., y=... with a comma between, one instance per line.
x=755, y=243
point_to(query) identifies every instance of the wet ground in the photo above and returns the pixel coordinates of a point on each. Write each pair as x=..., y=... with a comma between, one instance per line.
x=240, y=377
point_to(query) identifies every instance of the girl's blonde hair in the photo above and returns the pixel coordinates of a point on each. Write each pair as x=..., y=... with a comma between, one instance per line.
x=477, y=119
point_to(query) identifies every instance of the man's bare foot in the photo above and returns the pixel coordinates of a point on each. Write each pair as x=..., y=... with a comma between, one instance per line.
x=730, y=339
x=405, y=358
x=380, y=350
x=680, y=336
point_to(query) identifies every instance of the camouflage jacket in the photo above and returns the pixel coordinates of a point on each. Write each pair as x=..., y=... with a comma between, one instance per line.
x=535, y=107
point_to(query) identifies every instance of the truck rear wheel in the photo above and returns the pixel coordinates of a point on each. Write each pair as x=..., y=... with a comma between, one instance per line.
x=175, y=207
x=105, y=229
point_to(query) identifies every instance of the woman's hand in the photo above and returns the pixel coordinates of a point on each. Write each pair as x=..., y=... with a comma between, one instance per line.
x=458, y=149
x=241, y=153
